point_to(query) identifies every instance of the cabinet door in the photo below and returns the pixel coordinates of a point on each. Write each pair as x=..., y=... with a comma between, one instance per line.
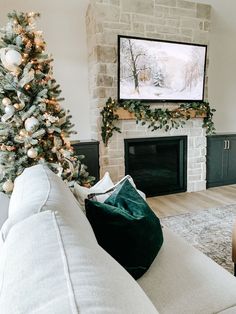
x=231, y=163
x=216, y=160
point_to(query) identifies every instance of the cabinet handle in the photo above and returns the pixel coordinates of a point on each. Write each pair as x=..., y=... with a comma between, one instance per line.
x=225, y=144
x=228, y=146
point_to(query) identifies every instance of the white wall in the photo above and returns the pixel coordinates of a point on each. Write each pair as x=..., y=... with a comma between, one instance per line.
x=63, y=25
x=222, y=68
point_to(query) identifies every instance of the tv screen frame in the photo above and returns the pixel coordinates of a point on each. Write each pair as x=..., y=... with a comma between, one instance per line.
x=153, y=70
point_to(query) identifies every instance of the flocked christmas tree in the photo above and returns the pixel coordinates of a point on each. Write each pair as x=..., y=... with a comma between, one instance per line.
x=159, y=79
x=34, y=128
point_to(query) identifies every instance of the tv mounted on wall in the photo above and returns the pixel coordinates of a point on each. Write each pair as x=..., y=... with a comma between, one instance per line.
x=157, y=70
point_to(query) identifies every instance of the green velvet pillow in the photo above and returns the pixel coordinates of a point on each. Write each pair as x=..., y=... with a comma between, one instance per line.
x=126, y=228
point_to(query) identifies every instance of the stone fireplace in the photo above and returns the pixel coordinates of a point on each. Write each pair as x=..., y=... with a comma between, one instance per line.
x=176, y=20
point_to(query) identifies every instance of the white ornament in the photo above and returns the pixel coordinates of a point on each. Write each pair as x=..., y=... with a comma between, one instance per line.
x=10, y=67
x=32, y=153
x=31, y=124
x=6, y=101
x=8, y=186
x=9, y=109
x=13, y=57
x=9, y=112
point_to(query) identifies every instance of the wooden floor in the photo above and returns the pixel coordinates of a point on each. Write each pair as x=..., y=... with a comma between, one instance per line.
x=175, y=204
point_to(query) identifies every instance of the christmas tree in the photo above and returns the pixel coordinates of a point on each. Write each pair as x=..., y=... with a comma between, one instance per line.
x=159, y=79
x=34, y=128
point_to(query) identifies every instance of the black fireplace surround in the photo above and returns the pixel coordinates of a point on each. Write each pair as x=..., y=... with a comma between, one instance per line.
x=158, y=165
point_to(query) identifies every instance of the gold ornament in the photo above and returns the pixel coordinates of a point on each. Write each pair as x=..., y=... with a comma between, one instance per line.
x=6, y=101
x=19, y=106
x=32, y=153
x=8, y=148
x=3, y=147
x=54, y=149
x=23, y=133
x=18, y=29
x=16, y=106
x=8, y=186
x=27, y=86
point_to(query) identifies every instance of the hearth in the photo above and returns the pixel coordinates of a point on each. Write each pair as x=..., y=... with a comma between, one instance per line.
x=158, y=165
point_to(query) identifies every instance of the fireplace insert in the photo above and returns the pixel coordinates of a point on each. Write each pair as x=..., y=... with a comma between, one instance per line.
x=158, y=165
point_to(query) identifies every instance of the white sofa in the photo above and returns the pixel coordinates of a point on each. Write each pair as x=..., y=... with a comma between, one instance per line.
x=50, y=263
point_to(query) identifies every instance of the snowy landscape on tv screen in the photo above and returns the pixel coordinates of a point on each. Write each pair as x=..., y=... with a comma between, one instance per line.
x=156, y=70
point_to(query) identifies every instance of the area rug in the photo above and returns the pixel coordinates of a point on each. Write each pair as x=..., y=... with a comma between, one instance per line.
x=208, y=230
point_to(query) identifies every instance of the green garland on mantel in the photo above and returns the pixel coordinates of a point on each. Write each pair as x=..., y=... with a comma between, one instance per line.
x=157, y=118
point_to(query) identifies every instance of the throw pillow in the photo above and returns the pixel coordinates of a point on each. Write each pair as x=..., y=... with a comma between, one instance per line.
x=126, y=228
x=4, y=205
x=101, y=197
x=81, y=192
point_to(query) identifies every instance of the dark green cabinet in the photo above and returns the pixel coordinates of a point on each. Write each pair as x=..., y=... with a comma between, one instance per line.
x=90, y=150
x=221, y=159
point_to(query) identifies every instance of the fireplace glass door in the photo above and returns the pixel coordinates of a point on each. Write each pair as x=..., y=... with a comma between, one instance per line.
x=158, y=165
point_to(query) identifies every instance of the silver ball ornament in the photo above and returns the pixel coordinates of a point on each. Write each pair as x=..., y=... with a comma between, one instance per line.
x=31, y=124
x=13, y=57
x=8, y=186
x=32, y=153
x=9, y=109
x=6, y=101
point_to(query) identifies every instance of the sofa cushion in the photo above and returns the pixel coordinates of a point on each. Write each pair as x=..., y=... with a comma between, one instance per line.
x=231, y=310
x=102, y=196
x=184, y=280
x=126, y=228
x=82, y=192
x=49, y=268
x=32, y=271
x=38, y=189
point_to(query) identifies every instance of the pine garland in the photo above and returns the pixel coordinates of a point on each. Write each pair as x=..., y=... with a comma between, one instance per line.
x=156, y=118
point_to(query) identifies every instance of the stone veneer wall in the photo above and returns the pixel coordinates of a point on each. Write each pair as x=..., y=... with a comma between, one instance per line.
x=176, y=20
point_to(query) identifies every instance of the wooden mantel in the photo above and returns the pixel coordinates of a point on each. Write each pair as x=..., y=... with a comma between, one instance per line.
x=126, y=115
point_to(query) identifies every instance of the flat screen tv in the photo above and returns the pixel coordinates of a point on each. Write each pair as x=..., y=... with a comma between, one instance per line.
x=158, y=71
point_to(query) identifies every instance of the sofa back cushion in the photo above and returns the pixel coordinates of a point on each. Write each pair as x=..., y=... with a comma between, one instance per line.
x=48, y=267
x=38, y=189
